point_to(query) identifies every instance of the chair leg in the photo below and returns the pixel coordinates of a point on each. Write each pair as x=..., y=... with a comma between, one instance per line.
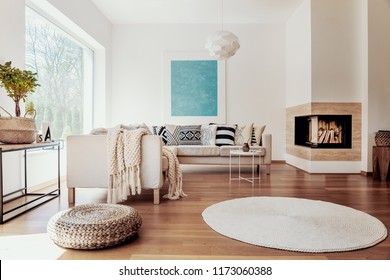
x=71, y=195
x=156, y=196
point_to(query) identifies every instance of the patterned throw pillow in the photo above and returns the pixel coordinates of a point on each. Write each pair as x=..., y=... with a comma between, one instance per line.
x=225, y=135
x=169, y=134
x=190, y=135
x=172, y=134
x=160, y=130
x=208, y=134
x=257, y=133
x=243, y=134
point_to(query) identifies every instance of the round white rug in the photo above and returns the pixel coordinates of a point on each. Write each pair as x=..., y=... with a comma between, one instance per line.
x=295, y=224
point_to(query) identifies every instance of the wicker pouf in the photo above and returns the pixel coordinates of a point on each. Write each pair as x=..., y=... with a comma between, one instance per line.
x=94, y=226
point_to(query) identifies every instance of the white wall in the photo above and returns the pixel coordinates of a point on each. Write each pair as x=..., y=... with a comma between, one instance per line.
x=258, y=72
x=11, y=41
x=12, y=47
x=335, y=50
x=378, y=96
x=298, y=56
x=254, y=79
x=88, y=17
x=337, y=59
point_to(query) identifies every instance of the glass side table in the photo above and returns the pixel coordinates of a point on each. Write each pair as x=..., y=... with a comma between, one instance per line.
x=239, y=154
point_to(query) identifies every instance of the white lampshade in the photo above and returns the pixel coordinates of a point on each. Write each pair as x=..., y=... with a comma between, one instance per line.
x=222, y=44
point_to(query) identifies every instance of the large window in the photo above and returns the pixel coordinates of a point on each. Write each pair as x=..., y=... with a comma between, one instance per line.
x=65, y=72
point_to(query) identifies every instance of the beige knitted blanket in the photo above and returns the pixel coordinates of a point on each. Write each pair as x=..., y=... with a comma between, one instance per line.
x=124, y=162
x=175, y=190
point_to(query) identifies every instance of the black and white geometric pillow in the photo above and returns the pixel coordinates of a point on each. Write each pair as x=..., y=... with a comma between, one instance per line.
x=172, y=134
x=225, y=135
x=190, y=135
x=160, y=130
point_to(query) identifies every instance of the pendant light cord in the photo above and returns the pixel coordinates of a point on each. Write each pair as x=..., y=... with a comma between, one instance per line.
x=222, y=15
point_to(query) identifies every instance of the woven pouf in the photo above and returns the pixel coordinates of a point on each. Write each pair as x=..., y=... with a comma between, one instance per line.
x=94, y=226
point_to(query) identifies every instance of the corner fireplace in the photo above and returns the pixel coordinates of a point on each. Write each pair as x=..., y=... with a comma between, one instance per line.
x=324, y=131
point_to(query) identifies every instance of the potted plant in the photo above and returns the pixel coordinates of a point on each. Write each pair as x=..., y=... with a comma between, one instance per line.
x=18, y=83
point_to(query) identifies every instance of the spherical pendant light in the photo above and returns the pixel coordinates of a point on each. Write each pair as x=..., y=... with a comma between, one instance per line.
x=222, y=44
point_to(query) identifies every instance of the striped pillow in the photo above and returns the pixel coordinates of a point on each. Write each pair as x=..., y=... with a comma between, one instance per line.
x=257, y=133
x=225, y=135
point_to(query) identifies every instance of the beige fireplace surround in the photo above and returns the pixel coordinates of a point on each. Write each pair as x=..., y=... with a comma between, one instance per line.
x=328, y=154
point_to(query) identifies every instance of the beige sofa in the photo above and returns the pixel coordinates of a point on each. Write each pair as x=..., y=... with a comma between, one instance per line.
x=215, y=155
x=210, y=144
x=87, y=165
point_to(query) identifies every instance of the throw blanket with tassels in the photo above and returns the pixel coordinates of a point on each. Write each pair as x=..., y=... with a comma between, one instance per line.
x=124, y=162
x=175, y=190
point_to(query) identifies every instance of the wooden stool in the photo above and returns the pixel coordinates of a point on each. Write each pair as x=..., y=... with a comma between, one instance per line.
x=380, y=162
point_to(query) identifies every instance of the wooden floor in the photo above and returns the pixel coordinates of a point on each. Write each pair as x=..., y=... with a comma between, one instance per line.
x=176, y=230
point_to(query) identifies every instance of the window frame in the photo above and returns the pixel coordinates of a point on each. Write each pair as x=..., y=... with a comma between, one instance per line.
x=99, y=85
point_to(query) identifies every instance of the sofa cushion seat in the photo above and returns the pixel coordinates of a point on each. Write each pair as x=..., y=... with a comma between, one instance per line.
x=195, y=150
x=225, y=150
x=164, y=163
x=173, y=149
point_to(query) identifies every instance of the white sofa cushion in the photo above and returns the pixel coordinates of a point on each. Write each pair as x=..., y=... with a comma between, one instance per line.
x=243, y=134
x=191, y=150
x=164, y=163
x=172, y=148
x=208, y=134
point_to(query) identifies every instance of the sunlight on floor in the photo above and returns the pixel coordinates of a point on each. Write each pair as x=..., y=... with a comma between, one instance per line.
x=29, y=247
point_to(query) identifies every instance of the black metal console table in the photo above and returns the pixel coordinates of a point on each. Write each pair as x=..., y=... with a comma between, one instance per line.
x=39, y=198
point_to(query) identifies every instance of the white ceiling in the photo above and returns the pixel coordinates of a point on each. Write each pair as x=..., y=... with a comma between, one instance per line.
x=196, y=11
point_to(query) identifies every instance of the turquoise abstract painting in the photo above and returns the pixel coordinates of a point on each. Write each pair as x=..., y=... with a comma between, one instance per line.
x=194, y=88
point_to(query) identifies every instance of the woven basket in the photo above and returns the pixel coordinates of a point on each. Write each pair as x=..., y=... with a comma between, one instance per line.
x=17, y=130
x=382, y=138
